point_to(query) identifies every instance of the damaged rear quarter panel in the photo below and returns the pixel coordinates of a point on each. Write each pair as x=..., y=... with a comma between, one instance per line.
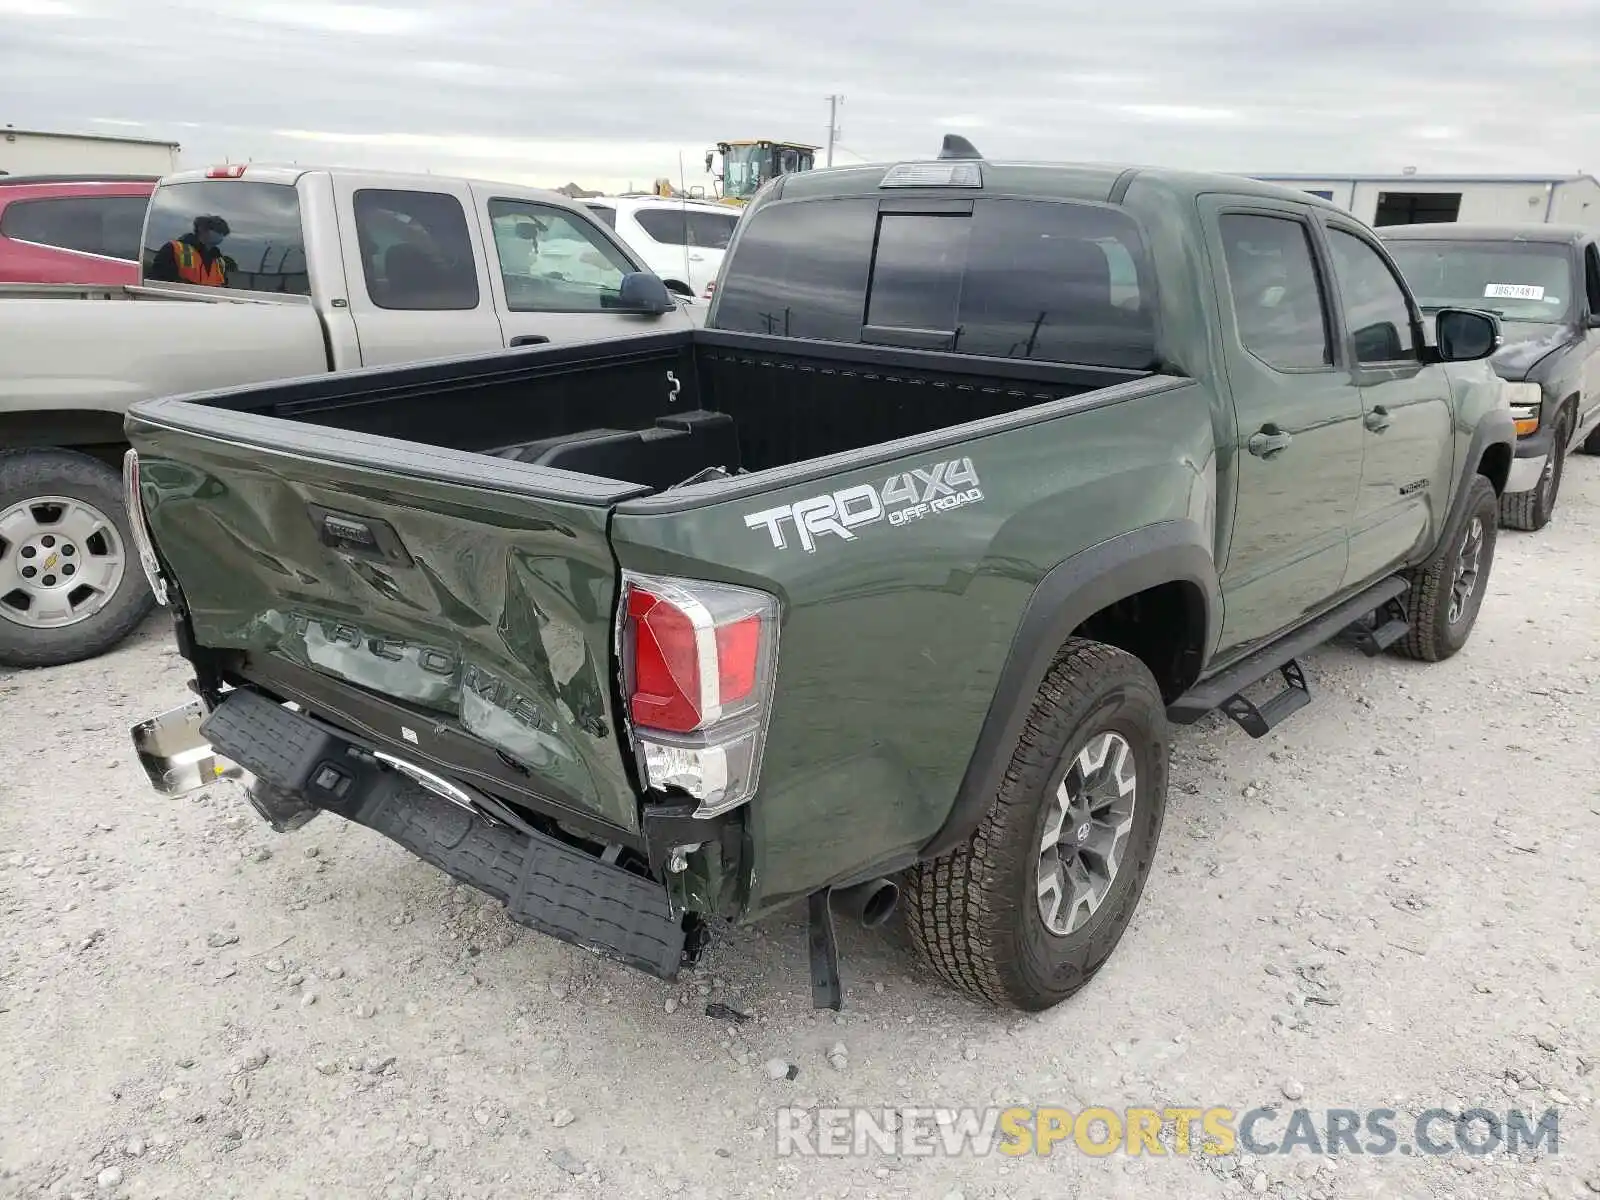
x=893, y=639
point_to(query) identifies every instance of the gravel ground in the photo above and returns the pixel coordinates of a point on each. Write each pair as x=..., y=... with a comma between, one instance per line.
x=1387, y=903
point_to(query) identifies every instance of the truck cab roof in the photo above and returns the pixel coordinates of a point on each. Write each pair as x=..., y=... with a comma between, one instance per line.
x=290, y=174
x=1097, y=183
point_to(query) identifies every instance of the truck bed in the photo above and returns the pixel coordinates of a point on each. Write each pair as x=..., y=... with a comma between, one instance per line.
x=659, y=410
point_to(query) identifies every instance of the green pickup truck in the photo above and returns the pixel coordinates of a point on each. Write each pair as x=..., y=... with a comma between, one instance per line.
x=889, y=581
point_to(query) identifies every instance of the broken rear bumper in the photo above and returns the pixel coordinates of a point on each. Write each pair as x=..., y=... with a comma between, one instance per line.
x=300, y=766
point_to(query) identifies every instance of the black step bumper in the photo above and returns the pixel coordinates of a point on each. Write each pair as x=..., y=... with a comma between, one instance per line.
x=545, y=884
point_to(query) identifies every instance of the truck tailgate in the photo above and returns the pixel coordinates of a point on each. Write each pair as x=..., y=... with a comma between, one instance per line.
x=478, y=596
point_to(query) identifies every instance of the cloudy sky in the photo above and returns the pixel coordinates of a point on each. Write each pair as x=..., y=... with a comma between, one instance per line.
x=608, y=92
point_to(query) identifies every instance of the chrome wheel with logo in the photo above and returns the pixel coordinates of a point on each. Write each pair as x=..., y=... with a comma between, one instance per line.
x=69, y=588
x=1026, y=910
x=61, y=560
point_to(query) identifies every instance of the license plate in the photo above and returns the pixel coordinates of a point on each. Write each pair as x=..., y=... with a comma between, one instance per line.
x=175, y=754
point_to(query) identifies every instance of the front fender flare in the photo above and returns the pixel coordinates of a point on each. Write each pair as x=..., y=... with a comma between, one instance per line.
x=1068, y=595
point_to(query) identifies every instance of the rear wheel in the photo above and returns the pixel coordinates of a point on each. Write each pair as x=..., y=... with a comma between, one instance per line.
x=1447, y=590
x=70, y=586
x=1532, y=510
x=1025, y=912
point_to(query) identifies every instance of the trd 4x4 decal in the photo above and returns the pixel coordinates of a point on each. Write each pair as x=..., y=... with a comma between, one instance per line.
x=909, y=496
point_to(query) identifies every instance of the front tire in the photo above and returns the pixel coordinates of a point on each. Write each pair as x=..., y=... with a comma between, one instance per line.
x=70, y=582
x=1025, y=912
x=1531, y=511
x=1447, y=590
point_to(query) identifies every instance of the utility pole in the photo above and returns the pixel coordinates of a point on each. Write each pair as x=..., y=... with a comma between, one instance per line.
x=833, y=123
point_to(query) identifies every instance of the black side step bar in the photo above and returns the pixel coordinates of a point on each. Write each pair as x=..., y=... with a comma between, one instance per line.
x=1388, y=625
x=544, y=883
x=1223, y=690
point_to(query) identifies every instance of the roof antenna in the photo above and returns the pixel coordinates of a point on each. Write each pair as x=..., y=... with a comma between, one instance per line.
x=956, y=146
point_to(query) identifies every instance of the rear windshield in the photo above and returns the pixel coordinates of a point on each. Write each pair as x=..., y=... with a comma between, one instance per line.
x=262, y=250
x=1057, y=281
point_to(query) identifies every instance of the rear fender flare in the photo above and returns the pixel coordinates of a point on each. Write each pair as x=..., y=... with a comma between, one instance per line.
x=1068, y=595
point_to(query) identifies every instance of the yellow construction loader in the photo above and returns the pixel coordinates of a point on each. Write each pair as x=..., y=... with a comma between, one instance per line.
x=747, y=164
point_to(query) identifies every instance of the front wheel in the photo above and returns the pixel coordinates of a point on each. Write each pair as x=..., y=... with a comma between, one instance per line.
x=1531, y=511
x=1025, y=912
x=70, y=585
x=1447, y=590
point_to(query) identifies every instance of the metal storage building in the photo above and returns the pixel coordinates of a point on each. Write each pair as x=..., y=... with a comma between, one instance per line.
x=1488, y=199
x=37, y=152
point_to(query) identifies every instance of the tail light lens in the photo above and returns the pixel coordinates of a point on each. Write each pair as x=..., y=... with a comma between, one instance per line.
x=710, y=288
x=137, y=526
x=698, y=663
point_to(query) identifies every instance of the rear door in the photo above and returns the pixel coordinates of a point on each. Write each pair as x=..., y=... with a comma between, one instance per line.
x=555, y=273
x=1408, y=454
x=1298, y=414
x=414, y=260
x=466, y=602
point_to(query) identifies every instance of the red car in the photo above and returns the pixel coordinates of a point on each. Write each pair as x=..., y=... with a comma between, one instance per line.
x=74, y=229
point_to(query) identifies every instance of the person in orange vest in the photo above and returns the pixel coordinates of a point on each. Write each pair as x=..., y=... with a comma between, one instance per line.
x=195, y=257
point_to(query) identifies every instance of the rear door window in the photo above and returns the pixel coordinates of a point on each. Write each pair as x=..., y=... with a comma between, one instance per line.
x=416, y=253
x=1060, y=282
x=105, y=225
x=1276, y=292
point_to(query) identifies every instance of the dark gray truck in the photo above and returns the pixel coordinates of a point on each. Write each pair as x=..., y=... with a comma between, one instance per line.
x=1543, y=281
x=892, y=579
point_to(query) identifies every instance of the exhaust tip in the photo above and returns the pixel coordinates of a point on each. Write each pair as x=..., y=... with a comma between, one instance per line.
x=871, y=903
x=880, y=905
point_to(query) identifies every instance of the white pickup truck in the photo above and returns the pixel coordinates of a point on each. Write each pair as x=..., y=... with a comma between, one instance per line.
x=316, y=271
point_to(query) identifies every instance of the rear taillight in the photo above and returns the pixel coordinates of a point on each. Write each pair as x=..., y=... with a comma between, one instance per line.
x=138, y=527
x=698, y=663
x=710, y=287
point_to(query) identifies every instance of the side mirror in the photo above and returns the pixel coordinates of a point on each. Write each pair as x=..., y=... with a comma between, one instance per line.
x=709, y=157
x=1465, y=335
x=642, y=292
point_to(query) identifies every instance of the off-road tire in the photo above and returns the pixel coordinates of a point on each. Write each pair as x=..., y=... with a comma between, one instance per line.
x=974, y=913
x=1531, y=511
x=1433, y=637
x=28, y=473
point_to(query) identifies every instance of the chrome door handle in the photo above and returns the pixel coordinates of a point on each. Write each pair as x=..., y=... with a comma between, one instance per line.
x=1268, y=442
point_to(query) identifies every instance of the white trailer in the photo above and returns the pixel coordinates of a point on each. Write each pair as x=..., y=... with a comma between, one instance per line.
x=38, y=152
x=1410, y=199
